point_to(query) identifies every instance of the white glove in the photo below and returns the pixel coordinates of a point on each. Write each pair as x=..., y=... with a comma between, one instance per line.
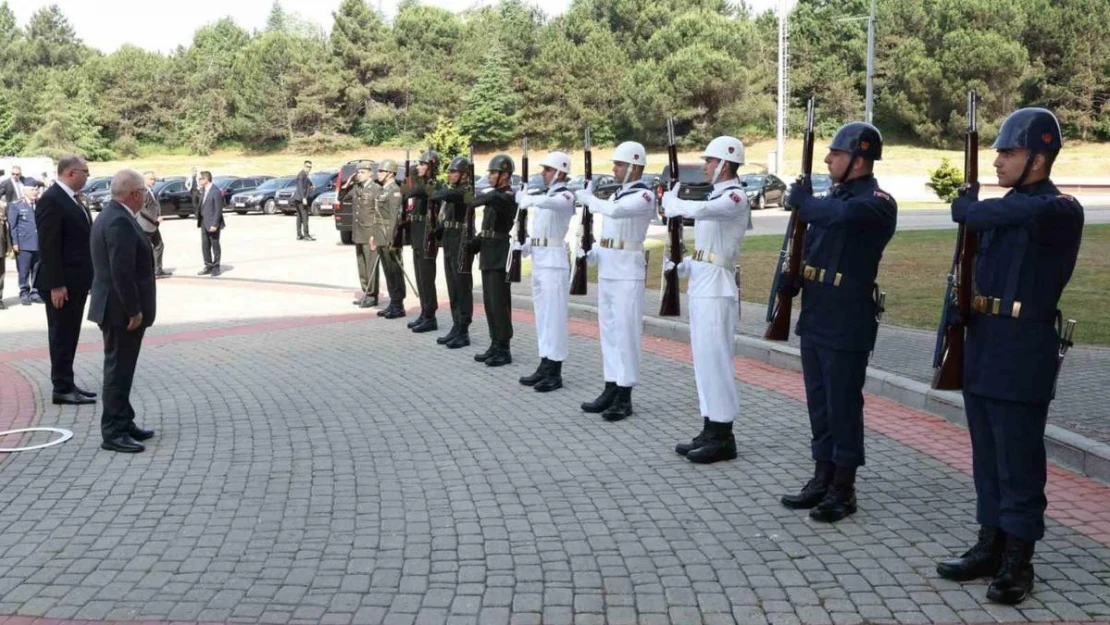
x=526, y=249
x=584, y=195
x=671, y=209
x=515, y=246
x=523, y=200
x=591, y=186
x=591, y=256
x=683, y=267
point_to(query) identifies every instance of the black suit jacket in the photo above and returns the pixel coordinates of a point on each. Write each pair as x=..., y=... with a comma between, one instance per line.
x=7, y=190
x=63, y=227
x=123, y=267
x=211, y=211
x=304, y=187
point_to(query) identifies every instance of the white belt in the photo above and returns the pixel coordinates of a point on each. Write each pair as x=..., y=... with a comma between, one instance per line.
x=705, y=256
x=617, y=244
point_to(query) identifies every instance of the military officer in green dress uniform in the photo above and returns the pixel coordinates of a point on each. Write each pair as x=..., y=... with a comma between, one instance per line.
x=387, y=212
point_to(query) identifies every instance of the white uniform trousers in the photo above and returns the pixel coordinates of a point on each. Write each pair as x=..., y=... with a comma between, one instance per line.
x=712, y=328
x=620, y=312
x=550, y=296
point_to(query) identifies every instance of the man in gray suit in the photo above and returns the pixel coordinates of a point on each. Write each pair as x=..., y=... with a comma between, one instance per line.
x=150, y=217
x=123, y=304
x=300, y=197
x=210, y=220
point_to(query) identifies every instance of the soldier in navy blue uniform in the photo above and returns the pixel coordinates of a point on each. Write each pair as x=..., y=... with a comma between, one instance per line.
x=1028, y=244
x=847, y=232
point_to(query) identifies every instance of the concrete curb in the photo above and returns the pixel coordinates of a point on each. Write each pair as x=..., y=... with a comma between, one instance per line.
x=1066, y=449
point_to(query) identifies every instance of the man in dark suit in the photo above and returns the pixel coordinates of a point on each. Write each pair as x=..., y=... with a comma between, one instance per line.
x=11, y=188
x=123, y=305
x=300, y=198
x=25, y=242
x=149, y=219
x=65, y=273
x=210, y=220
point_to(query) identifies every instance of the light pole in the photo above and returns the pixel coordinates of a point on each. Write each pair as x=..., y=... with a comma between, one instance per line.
x=784, y=91
x=870, y=62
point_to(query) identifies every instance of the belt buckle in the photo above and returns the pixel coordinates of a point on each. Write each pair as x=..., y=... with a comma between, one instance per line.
x=979, y=304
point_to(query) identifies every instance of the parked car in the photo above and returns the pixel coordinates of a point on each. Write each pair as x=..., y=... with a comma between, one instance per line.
x=483, y=182
x=260, y=198
x=174, y=198
x=96, y=200
x=764, y=190
x=232, y=186
x=95, y=185
x=322, y=182
x=325, y=203
x=693, y=186
x=821, y=184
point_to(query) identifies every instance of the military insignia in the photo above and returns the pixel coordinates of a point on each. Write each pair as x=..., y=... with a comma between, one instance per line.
x=1046, y=137
x=731, y=149
x=863, y=145
x=647, y=196
x=735, y=198
x=883, y=195
x=568, y=196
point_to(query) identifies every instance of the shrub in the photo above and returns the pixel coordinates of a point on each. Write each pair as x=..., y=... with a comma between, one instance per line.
x=945, y=180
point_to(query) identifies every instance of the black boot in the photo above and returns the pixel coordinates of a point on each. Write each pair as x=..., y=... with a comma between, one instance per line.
x=982, y=560
x=684, y=448
x=621, y=408
x=1015, y=577
x=429, y=324
x=541, y=373
x=415, y=322
x=554, y=378
x=814, y=490
x=394, y=312
x=720, y=446
x=840, y=501
x=604, y=400
x=443, y=340
x=501, y=357
x=462, y=339
x=486, y=355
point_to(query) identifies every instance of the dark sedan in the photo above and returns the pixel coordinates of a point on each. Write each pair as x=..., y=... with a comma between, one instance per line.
x=764, y=190
x=260, y=198
x=322, y=182
x=96, y=187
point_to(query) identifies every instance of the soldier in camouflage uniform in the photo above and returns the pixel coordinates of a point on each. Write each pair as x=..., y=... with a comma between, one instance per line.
x=424, y=185
x=460, y=286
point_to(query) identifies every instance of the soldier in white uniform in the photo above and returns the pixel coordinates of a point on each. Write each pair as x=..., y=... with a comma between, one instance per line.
x=550, y=270
x=719, y=225
x=620, y=254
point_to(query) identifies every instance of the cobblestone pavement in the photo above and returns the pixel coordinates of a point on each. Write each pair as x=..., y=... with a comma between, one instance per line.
x=315, y=464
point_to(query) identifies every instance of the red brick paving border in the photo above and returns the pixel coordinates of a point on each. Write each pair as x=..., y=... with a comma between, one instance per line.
x=1075, y=501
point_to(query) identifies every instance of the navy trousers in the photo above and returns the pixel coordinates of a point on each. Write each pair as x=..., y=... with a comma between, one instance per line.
x=1009, y=463
x=834, y=394
x=25, y=261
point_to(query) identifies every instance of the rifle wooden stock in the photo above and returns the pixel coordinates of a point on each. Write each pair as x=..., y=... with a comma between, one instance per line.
x=669, y=305
x=586, y=229
x=778, y=328
x=513, y=271
x=431, y=244
x=949, y=376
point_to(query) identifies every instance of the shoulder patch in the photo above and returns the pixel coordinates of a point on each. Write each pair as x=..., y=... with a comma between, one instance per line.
x=884, y=195
x=647, y=196
x=568, y=196
x=735, y=198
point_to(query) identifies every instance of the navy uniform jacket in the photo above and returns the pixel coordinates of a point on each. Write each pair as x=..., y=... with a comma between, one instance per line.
x=847, y=233
x=21, y=222
x=1028, y=244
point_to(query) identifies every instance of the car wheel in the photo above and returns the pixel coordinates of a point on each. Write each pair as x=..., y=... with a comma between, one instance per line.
x=270, y=207
x=758, y=202
x=240, y=212
x=346, y=237
x=314, y=210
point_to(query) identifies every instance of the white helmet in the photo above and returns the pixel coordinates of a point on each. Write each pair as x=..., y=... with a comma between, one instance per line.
x=630, y=152
x=559, y=161
x=725, y=148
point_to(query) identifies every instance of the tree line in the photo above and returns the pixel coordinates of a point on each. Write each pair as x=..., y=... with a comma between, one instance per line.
x=504, y=71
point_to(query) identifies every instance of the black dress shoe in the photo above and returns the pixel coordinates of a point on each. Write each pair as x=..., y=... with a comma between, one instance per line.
x=429, y=325
x=204, y=272
x=1015, y=578
x=3, y=306
x=396, y=313
x=603, y=401
x=81, y=391
x=383, y=312
x=486, y=355
x=814, y=490
x=684, y=448
x=500, y=358
x=216, y=272
x=139, y=433
x=300, y=238
x=443, y=340
x=162, y=274
x=461, y=340
x=72, y=398
x=415, y=322
x=123, y=444
x=26, y=301
x=982, y=560
x=309, y=237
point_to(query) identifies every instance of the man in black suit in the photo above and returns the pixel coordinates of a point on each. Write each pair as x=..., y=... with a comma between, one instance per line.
x=65, y=273
x=300, y=198
x=210, y=220
x=11, y=188
x=123, y=304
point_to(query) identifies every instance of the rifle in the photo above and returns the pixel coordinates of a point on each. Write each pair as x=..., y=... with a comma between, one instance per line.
x=431, y=244
x=466, y=257
x=585, y=228
x=512, y=271
x=669, y=306
x=403, y=220
x=793, y=244
x=948, y=356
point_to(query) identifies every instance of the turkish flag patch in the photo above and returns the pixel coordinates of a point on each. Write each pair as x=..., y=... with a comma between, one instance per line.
x=882, y=195
x=734, y=197
x=647, y=196
x=568, y=196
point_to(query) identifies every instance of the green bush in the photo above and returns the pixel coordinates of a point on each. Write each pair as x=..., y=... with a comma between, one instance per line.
x=945, y=180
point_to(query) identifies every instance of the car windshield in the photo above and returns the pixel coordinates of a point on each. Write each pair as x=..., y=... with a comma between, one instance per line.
x=754, y=181
x=821, y=182
x=687, y=174
x=98, y=185
x=320, y=179
x=162, y=184
x=274, y=184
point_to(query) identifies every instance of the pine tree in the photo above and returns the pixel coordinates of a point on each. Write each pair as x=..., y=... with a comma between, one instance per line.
x=490, y=114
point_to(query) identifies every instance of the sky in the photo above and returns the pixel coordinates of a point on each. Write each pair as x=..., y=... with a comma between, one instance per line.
x=108, y=24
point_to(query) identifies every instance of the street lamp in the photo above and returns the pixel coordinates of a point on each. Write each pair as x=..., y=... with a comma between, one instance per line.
x=870, y=59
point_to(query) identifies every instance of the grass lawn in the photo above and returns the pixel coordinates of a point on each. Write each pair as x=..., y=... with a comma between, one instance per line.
x=913, y=274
